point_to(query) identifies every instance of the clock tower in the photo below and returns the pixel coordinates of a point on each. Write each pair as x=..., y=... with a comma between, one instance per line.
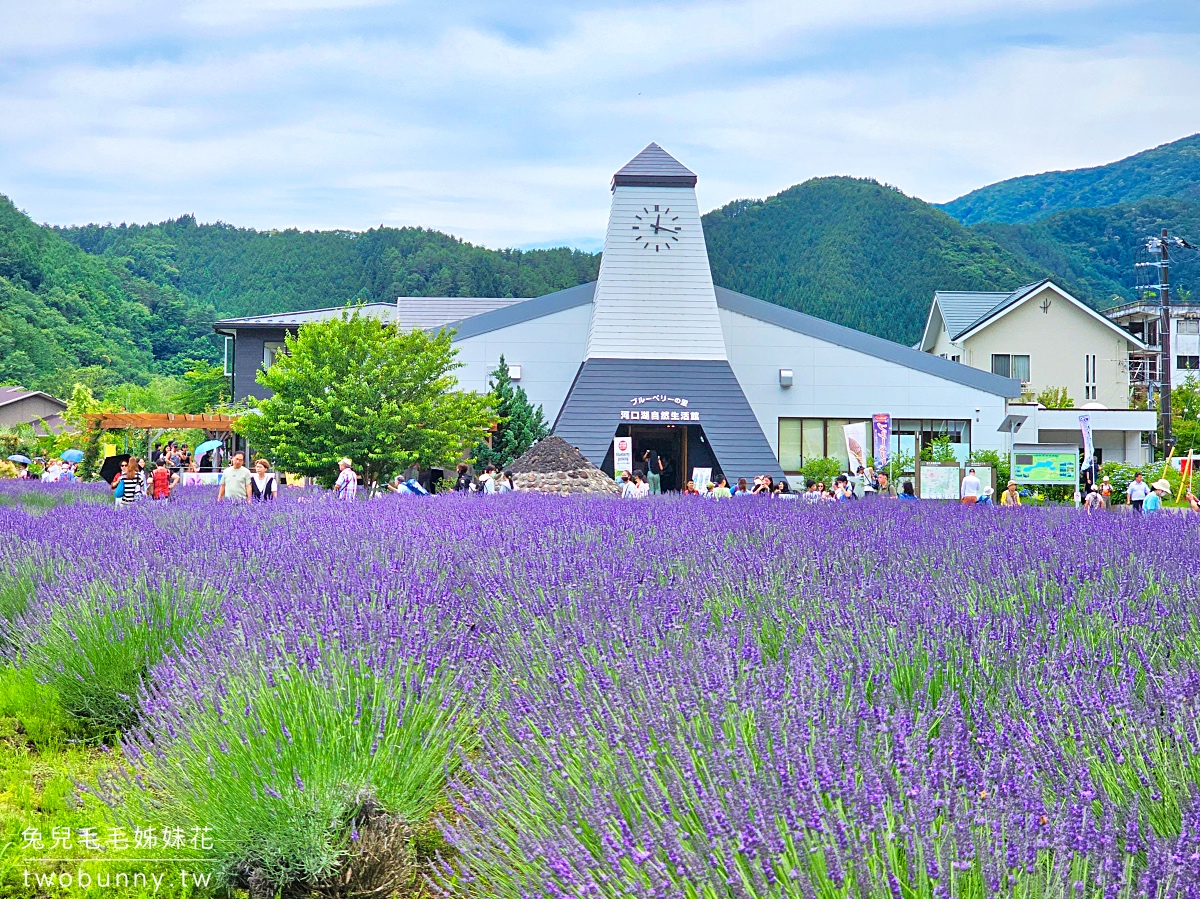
x=655, y=369
x=654, y=297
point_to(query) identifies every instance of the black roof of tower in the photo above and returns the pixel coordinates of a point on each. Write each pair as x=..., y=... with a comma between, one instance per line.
x=654, y=167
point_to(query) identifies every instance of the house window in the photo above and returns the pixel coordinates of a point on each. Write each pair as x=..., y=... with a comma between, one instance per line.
x=1010, y=366
x=1187, y=363
x=1089, y=376
x=228, y=356
x=1020, y=368
x=1187, y=326
x=271, y=350
x=956, y=358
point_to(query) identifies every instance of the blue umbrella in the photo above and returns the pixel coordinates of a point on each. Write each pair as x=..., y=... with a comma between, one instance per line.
x=206, y=446
x=72, y=455
x=17, y=457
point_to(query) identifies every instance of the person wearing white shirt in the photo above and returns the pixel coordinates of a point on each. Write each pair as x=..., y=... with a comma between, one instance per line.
x=1137, y=491
x=971, y=488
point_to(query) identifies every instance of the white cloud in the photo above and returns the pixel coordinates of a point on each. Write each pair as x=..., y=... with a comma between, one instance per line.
x=348, y=113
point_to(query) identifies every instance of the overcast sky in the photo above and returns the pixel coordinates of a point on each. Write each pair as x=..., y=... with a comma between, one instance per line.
x=502, y=122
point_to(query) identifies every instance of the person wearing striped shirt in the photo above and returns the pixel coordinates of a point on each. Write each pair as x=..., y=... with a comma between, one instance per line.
x=130, y=482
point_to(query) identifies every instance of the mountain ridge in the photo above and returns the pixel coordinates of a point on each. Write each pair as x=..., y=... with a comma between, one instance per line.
x=1169, y=170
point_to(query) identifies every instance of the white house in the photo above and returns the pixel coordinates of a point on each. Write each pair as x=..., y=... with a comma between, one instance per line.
x=1038, y=334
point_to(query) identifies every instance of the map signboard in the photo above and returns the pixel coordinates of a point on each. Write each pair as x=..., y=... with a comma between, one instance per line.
x=939, y=480
x=1045, y=464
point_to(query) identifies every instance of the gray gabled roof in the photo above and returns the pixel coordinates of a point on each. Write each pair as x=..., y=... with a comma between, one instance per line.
x=799, y=322
x=861, y=342
x=523, y=311
x=9, y=395
x=654, y=167
x=385, y=311
x=962, y=308
x=1011, y=300
x=406, y=313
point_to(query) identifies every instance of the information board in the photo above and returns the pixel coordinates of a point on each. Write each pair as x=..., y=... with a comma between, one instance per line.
x=939, y=481
x=1045, y=465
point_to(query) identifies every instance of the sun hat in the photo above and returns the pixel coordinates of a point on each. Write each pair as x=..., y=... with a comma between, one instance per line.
x=1105, y=478
x=1162, y=484
x=988, y=491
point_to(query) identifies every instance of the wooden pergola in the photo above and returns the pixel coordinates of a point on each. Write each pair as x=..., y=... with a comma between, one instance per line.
x=155, y=423
x=161, y=421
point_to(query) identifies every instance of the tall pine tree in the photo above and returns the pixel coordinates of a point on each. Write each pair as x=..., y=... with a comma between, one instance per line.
x=521, y=425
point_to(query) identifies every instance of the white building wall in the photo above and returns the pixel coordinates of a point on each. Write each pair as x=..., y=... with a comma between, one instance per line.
x=548, y=349
x=655, y=304
x=831, y=381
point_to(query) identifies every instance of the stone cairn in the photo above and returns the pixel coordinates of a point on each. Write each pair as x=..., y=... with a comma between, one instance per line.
x=554, y=466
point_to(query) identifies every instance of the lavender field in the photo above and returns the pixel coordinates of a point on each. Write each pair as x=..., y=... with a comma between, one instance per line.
x=527, y=697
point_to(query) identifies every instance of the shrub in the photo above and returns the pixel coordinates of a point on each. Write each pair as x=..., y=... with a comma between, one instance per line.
x=96, y=648
x=306, y=775
x=825, y=469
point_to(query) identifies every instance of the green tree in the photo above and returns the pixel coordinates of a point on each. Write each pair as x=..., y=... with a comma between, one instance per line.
x=520, y=426
x=1055, y=398
x=356, y=387
x=205, y=387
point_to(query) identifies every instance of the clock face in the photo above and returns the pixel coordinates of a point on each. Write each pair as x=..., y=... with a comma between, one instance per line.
x=656, y=228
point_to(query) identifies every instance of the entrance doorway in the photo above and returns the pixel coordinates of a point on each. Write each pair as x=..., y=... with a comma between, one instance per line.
x=681, y=448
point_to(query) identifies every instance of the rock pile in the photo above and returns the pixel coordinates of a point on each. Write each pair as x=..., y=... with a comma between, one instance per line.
x=554, y=466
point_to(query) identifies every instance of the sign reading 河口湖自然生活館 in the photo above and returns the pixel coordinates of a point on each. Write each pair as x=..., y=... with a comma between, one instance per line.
x=657, y=415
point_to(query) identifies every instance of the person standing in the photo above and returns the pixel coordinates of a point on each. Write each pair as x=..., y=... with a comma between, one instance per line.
x=462, y=481
x=1093, y=502
x=345, y=488
x=1010, y=496
x=971, y=488
x=235, y=481
x=1153, y=502
x=161, y=480
x=654, y=470
x=883, y=487
x=129, y=485
x=722, y=491
x=263, y=486
x=1106, y=490
x=1137, y=491
x=487, y=480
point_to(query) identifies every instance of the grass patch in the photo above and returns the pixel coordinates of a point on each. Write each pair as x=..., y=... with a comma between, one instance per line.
x=40, y=764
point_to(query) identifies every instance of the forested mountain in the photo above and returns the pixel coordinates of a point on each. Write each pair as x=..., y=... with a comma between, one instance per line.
x=241, y=271
x=103, y=304
x=855, y=252
x=1092, y=251
x=1171, y=170
x=68, y=317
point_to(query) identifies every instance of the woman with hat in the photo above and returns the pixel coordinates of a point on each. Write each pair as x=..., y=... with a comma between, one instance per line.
x=1106, y=490
x=1010, y=496
x=1153, y=502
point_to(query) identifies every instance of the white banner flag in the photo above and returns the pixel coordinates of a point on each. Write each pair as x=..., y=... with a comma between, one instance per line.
x=1089, y=450
x=856, y=441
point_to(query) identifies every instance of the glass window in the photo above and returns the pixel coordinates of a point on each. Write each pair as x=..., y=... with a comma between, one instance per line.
x=813, y=443
x=835, y=440
x=228, y=355
x=271, y=349
x=1188, y=363
x=1020, y=368
x=790, y=454
x=1187, y=326
x=1000, y=364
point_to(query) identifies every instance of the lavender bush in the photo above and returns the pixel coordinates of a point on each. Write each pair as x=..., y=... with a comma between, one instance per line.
x=670, y=698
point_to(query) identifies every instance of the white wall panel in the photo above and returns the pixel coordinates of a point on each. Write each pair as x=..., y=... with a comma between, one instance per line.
x=655, y=304
x=548, y=349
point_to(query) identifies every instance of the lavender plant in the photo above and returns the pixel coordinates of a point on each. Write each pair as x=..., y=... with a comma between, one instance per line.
x=669, y=698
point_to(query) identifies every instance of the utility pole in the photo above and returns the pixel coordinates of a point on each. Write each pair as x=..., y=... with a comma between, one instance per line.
x=1164, y=328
